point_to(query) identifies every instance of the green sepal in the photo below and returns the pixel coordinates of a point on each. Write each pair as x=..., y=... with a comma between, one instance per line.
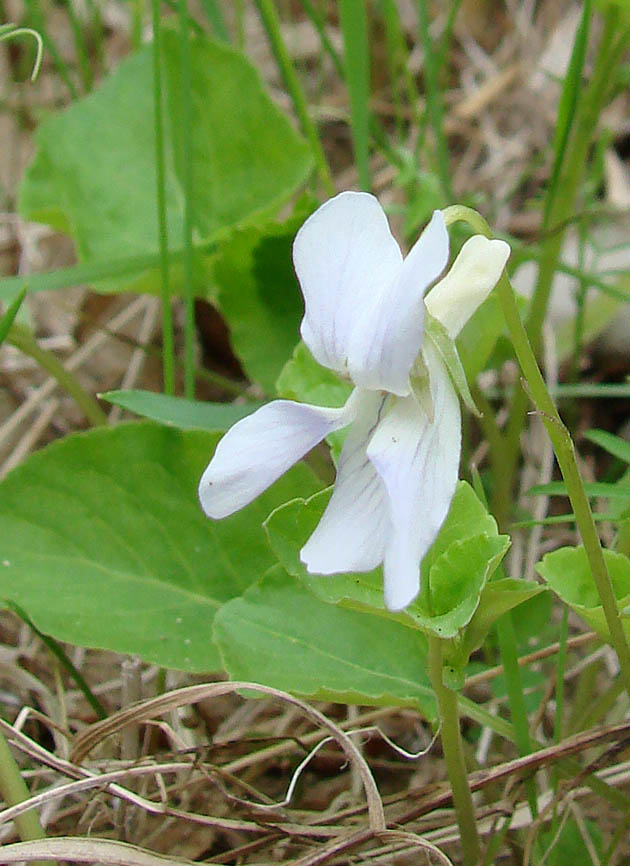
x=440, y=338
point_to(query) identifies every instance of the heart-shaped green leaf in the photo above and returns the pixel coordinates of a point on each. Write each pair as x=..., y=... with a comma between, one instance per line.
x=281, y=635
x=568, y=573
x=103, y=542
x=464, y=555
x=93, y=175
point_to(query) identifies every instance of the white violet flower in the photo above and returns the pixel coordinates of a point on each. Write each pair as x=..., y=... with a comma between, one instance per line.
x=364, y=318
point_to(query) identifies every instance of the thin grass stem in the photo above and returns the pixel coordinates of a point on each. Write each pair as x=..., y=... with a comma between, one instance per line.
x=354, y=26
x=38, y=23
x=271, y=22
x=434, y=102
x=57, y=650
x=21, y=338
x=168, y=340
x=514, y=687
x=187, y=170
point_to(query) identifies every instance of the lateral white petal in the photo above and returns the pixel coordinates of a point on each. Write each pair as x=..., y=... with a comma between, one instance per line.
x=260, y=448
x=418, y=461
x=344, y=255
x=389, y=331
x=352, y=532
x=474, y=274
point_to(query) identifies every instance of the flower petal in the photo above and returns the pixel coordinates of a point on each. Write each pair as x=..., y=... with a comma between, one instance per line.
x=260, y=448
x=352, y=532
x=387, y=337
x=475, y=272
x=418, y=460
x=344, y=255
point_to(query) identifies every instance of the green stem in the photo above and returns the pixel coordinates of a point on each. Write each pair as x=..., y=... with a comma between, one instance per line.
x=562, y=445
x=168, y=341
x=14, y=790
x=271, y=21
x=560, y=207
x=514, y=686
x=20, y=338
x=566, y=457
x=187, y=151
x=454, y=756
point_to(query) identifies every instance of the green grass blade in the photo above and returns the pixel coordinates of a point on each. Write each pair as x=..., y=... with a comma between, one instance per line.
x=83, y=60
x=213, y=13
x=354, y=26
x=271, y=22
x=179, y=412
x=168, y=341
x=401, y=80
x=567, y=106
x=187, y=156
x=9, y=317
x=434, y=102
x=614, y=445
x=37, y=21
x=318, y=21
x=92, y=272
x=20, y=337
x=514, y=686
x=57, y=650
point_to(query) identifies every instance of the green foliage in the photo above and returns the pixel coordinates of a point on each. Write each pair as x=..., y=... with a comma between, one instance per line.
x=457, y=603
x=104, y=543
x=260, y=298
x=570, y=848
x=447, y=350
x=93, y=174
x=179, y=412
x=568, y=573
x=306, y=381
x=280, y=634
x=7, y=319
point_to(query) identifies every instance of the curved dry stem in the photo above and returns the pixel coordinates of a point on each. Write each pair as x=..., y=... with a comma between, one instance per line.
x=145, y=710
x=417, y=842
x=102, y=851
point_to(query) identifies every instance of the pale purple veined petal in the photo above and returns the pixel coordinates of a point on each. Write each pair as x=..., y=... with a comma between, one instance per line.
x=418, y=461
x=388, y=334
x=260, y=448
x=344, y=256
x=473, y=275
x=353, y=530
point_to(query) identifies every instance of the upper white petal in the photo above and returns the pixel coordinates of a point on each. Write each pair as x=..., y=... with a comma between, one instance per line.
x=418, y=461
x=344, y=256
x=388, y=333
x=260, y=448
x=353, y=530
x=474, y=274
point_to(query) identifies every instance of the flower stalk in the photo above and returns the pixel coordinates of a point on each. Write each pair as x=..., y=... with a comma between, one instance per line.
x=452, y=747
x=562, y=445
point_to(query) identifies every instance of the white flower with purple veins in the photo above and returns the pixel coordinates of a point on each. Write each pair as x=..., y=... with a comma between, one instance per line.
x=364, y=318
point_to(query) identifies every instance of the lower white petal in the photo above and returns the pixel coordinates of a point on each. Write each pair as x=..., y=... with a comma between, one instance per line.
x=418, y=460
x=260, y=448
x=352, y=532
